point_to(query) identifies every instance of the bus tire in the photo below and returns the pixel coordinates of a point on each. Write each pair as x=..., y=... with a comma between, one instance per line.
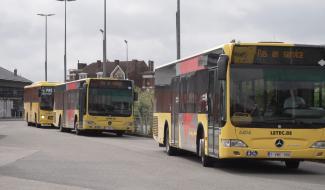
x=62, y=129
x=205, y=160
x=292, y=164
x=171, y=151
x=77, y=131
x=37, y=125
x=28, y=123
x=119, y=133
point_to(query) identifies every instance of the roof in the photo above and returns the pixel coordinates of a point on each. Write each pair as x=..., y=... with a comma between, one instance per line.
x=43, y=83
x=10, y=76
x=239, y=43
x=127, y=67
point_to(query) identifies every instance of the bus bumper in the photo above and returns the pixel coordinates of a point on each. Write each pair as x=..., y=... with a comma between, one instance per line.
x=274, y=154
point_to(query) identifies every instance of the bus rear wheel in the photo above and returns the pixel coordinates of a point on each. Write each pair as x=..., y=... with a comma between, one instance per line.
x=292, y=164
x=171, y=151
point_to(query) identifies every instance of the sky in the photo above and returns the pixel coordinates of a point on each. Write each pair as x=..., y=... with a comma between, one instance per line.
x=148, y=26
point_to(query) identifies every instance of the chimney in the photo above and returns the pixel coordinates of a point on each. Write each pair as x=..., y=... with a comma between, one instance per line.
x=151, y=65
x=117, y=62
x=15, y=72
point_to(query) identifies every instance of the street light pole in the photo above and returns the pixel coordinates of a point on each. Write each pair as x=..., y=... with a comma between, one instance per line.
x=45, y=15
x=178, y=29
x=102, y=31
x=105, y=44
x=127, y=50
x=65, y=38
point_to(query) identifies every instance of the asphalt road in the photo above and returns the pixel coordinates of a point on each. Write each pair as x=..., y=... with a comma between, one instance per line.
x=32, y=158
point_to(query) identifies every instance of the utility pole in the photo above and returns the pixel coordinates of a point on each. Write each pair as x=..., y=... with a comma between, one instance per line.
x=127, y=49
x=65, y=38
x=105, y=44
x=178, y=29
x=45, y=15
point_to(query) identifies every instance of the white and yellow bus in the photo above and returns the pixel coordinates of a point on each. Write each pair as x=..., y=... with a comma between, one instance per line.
x=38, y=103
x=244, y=101
x=95, y=105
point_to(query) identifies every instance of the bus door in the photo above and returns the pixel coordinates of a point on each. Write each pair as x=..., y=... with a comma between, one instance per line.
x=213, y=113
x=175, y=111
x=82, y=96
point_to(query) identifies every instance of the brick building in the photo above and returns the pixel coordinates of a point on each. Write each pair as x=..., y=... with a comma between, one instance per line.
x=141, y=73
x=12, y=93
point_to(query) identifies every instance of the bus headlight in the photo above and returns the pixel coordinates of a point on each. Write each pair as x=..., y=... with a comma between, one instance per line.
x=42, y=117
x=233, y=143
x=319, y=144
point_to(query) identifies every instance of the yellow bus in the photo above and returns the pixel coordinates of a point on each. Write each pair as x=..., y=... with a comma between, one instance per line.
x=244, y=101
x=38, y=103
x=95, y=105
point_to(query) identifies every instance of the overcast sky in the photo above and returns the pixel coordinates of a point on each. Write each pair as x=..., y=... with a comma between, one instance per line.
x=149, y=26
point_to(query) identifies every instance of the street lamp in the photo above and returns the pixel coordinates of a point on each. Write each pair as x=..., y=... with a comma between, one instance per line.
x=65, y=38
x=104, y=43
x=45, y=15
x=127, y=50
x=178, y=29
x=104, y=56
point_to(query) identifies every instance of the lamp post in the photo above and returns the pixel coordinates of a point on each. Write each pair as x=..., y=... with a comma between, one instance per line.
x=178, y=29
x=104, y=56
x=104, y=43
x=45, y=15
x=127, y=50
x=65, y=38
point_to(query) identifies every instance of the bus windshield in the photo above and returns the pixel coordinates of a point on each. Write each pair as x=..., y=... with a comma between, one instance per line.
x=47, y=99
x=107, y=98
x=277, y=96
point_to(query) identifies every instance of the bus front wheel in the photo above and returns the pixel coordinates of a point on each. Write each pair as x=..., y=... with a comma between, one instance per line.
x=77, y=131
x=28, y=123
x=171, y=151
x=119, y=133
x=36, y=123
x=62, y=129
x=292, y=164
x=206, y=160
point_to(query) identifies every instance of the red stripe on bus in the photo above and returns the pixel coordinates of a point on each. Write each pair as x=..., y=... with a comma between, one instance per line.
x=190, y=66
x=72, y=86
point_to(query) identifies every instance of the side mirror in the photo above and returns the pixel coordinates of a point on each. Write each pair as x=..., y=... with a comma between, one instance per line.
x=135, y=96
x=222, y=66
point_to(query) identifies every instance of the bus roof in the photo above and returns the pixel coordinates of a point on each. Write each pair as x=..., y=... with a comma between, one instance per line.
x=239, y=43
x=42, y=83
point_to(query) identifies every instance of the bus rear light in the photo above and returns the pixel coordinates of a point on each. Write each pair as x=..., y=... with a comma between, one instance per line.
x=319, y=144
x=233, y=143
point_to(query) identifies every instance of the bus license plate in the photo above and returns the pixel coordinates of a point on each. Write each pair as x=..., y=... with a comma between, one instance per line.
x=279, y=154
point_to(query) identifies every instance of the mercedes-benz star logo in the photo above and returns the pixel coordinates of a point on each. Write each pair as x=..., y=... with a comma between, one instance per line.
x=279, y=143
